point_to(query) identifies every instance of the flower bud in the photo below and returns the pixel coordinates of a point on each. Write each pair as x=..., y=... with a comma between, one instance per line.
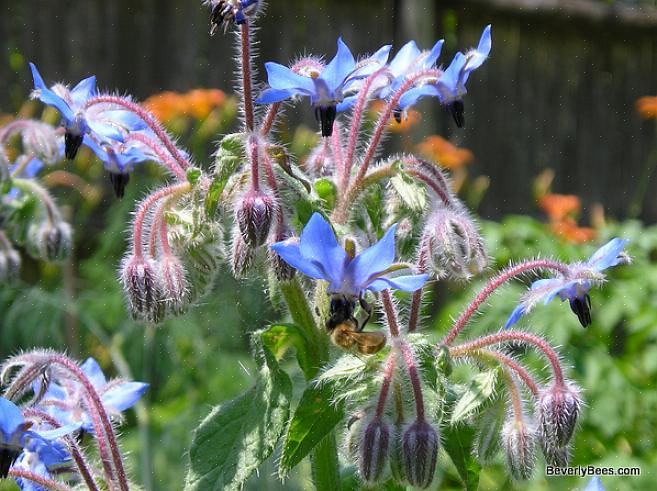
x=456, y=248
x=557, y=456
x=10, y=264
x=51, y=241
x=242, y=256
x=419, y=453
x=174, y=284
x=253, y=215
x=519, y=440
x=41, y=141
x=373, y=451
x=281, y=269
x=557, y=410
x=143, y=288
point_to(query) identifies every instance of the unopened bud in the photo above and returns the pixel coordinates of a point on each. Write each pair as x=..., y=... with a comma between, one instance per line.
x=51, y=241
x=174, y=284
x=281, y=269
x=41, y=141
x=373, y=451
x=242, y=256
x=253, y=215
x=419, y=453
x=519, y=440
x=10, y=264
x=456, y=247
x=143, y=288
x=557, y=410
x=557, y=456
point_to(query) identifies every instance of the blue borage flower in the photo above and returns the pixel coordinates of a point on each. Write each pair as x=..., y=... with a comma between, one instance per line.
x=326, y=87
x=118, y=161
x=104, y=121
x=595, y=484
x=69, y=407
x=574, y=286
x=450, y=86
x=318, y=255
x=17, y=436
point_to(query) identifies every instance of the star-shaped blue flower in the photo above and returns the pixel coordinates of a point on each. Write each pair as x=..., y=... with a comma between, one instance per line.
x=105, y=122
x=595, y=484
x=325, y=88
x=17, y=436
x=450, y=87
x=575, y=285
x=318, y=255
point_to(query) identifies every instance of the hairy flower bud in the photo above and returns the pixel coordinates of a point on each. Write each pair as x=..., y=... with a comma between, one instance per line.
x=557, y=410
x=253, y=214
x=456, y=247
x=373, y=451
x=41, y=140
x=51, y=241
x=281, y=269
x=519, y=440
x=10, y=264
x=174, y=284
x=143, y=288
x=419, y=453
x=242, y=256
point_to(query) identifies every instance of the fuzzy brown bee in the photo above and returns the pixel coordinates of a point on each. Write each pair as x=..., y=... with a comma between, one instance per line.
x=345, y=331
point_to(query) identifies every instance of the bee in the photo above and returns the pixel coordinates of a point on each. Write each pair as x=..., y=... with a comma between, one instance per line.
x=344, y=329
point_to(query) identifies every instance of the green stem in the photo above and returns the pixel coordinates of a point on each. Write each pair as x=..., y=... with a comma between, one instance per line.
x=324, y=458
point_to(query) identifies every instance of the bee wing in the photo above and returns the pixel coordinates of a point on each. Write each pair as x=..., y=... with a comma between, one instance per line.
x=369, y=342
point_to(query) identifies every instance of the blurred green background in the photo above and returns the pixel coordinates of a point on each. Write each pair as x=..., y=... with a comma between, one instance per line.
x=553, y=111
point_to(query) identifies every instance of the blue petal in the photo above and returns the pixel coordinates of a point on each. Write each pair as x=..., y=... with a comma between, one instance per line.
x=566, y=290
x=607, y=255
x=409, y=283
x=372, y=64
x=124, y=396
x=477, y=57
x=434, y=54
x=319, y=245
x=342, y=64
x=281, y=77
x=347, y=103
x=127, y=120
x=594, y=485
x=413, y=95
x=48, y=97
x=449, y=81
x=269, y=96
x=11, y=418
x=372, y=261
x=92, y=370
x=404, y=57
x=84, y=90
x=106, y=130
x=291, y=254
x=515, y=316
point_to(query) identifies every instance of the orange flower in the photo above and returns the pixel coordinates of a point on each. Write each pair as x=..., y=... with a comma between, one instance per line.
x=558, y=206
x=166, y=106
x=647, y=107
x=409, y=119
x=197, y=103
x=569, y=231
x=201, y=102
x=445, y=153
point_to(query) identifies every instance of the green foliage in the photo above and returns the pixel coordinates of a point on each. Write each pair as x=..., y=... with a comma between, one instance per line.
x=238, y=436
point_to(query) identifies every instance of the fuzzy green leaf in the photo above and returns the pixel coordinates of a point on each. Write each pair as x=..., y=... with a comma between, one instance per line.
x=279, y=338
x=457, y=442
x=478, y=391
x=411, y=193
x=238, y=436
x=228, y=157
x=487, y=440
x=315, y=417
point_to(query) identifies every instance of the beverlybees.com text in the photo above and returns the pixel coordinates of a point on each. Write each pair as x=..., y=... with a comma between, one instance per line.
x=591, y=470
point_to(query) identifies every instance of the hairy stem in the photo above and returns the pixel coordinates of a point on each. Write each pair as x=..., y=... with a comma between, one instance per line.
x=414, y=375
x=247, y=82
x=391, y=313
x=165, y=159
x=416, y=302
x=38, y=479
x=388, y=373
x=270, y=118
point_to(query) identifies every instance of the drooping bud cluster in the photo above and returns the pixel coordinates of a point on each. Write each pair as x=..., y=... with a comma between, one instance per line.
x=10, y=260
x=143, y=287
x=373, y=450
x=419, y=452
x=50, y=240
x=254, y=214
x=557, y=410
x=519, y=441
x=41, y=141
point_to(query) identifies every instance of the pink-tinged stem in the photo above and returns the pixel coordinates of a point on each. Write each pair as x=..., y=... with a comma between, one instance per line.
x=270, y=118
x=432, y=173
x=356, y=121
x=421, y=267
x=388, y=373
x=147, y=118
x=160, y=230
x=144, y=206
x=165, y=159
x=247, y=82
x=255, y=164
x=101, y=420
x=505, y=360
x=503, y=276
x=14, y=127
x=72, y=445
x=336, y=151
x=442, y=195
x=391, y=313
x=514, y=393
x=40, y=480
x=414, y=375
x=517, y=337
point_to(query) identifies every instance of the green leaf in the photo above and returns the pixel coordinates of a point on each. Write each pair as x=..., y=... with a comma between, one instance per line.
x=315, y=417
x=193, y=175
x=279, y=338
x=477, y=392
x=326, y=190
x=228, y=157
x=238, y=436
x=412, y=194
x=457, y=442
x=489, y=427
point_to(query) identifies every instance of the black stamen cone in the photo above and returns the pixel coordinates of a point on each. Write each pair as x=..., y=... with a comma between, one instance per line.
x=7, y=457
x=582, y=308
x=119, y=182
x=326, y=117
x=72, y=144
x=397, y=113
x=457, y=109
